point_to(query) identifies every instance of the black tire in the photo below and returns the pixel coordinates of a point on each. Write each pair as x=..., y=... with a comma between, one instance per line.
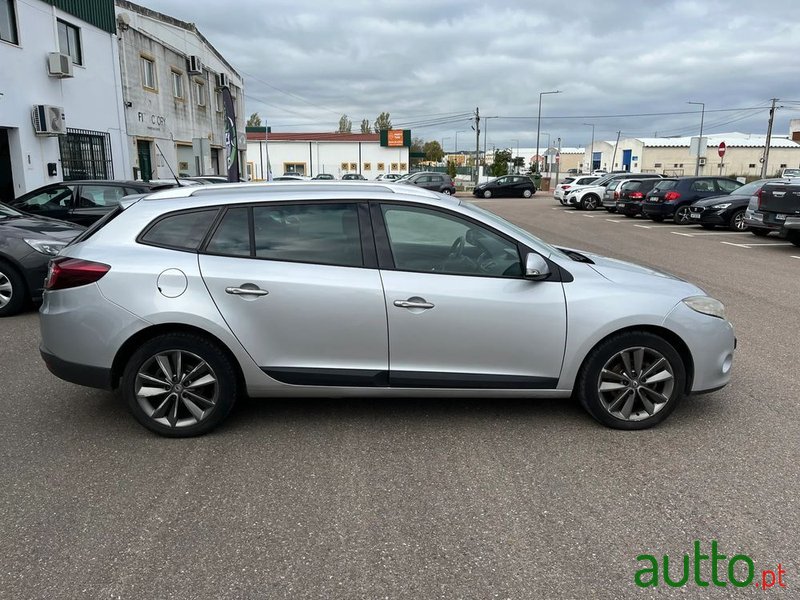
x=681, y=215
x=793, y=235
x=14, y=293
x=527, y=193
x=737, y=221
x=220, y=367
x=447, y=192
x=707, y=226
x=589, y=202
x=588, y=381
x=759, y=232
x=487, y=193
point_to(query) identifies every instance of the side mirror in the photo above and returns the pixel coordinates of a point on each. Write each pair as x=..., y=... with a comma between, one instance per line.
x=536, y=267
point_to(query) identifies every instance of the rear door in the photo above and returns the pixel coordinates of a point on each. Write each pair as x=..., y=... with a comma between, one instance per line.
x=293, y=282
x=700, y=189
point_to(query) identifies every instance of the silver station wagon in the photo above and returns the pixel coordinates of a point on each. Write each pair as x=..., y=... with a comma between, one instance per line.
x=188, y=298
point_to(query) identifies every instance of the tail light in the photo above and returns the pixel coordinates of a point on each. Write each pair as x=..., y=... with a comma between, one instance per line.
x=670, y=196
x=64, y=273
x=636, y=195
x=616, y=195
x=564, y=187
x=758, y=195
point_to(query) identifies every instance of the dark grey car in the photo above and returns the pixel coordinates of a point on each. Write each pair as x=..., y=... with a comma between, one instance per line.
x=27, y=243
x=436, y=182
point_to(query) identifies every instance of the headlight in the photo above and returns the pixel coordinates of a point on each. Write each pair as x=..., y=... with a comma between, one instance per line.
x=723, y=205
x=706, y=305
x=49, y=247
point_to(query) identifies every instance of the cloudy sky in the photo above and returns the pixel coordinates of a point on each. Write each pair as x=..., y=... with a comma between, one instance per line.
x=430, y=63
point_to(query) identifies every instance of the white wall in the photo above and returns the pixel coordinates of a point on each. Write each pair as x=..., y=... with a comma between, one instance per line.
x=327, y=157
x=91, y=99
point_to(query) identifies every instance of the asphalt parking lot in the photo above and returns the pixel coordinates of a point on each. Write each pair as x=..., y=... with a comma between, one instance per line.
x=419, y=498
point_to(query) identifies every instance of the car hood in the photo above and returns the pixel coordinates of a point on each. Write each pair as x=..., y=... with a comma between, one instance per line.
x=627, y=273
x=40, y=227
x=737, y=198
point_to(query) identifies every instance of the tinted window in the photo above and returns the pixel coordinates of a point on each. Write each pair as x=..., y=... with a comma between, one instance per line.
x=666, y=184
x=184, y=231
x=326, y=234
x=586, y=180
x=629, y=186
x=232, y=236
x=568, y=180
x=431, y=241
x=727, y=185
x=100, y=195
x=703, y=185
x=54, y=198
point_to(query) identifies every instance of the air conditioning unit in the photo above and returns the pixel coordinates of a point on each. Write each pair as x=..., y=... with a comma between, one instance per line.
x=59, y=65
x=48, y=120
x=702, y=161
x=223, y=80
x=194, y=65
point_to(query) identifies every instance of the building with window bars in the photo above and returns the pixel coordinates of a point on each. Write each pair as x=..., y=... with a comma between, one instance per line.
x=171, y=81
x=61, y=112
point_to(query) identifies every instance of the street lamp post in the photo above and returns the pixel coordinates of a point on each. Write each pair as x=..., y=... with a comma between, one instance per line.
x=457, y=132
x=700, y=140
x=539, y=124
x=443, y=139
x=512, y=162
x=591, y=150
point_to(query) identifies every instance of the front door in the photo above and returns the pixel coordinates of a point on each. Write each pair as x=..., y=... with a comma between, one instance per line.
x=626, y=159
x=55, y=201
x=143, y=149
x=290, y=282
x=460, y=313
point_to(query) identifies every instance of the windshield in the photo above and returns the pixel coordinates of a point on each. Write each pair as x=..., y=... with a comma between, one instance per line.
x=791, y=172
x=533, y=241
x=7, y=211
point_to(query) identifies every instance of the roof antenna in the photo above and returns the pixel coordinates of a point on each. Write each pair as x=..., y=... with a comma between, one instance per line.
x=177, y=181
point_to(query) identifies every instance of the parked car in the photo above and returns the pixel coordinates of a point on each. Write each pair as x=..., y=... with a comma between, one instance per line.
x=631, y=194
x=27, y=243
x=786, y=173
x=82, y=202
x=212, y=179
x=727, y=210
x=517, y=186
x=570, y=184
x=323, y=176
x=672, y=197
x=610, y=195
x=353, y=177
x=196, y=297
x=776, y=207
x=590, y=197
x=290, y=178
x=388, y=177
x=437, y=182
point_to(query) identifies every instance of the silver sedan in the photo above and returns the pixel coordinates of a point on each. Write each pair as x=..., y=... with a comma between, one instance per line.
x=187, y=299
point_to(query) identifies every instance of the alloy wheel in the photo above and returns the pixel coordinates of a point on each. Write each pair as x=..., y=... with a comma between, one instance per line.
x=6, y=289
x=737, y=222
x=682, y=215
x=176, y=388
x=636, y=383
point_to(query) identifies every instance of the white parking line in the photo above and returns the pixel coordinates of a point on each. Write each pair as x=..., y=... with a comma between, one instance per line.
x=698, y=233
x=793, y=256
x=617, y=220
x=591, y=216
x=645, y=226
x=748, y=246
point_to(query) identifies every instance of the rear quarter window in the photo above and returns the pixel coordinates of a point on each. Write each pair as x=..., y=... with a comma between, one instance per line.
x=666, y=184
x=180, y=231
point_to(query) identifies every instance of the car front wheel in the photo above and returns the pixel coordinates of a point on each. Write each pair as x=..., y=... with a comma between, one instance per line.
x=487, y=194
x=527, y=194
x=179, y=385
x=632, y=380
x=589, y=202
x=681, y=216
x=13, y=292
x=737, y=221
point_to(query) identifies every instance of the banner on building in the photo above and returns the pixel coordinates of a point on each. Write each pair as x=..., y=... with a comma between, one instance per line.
x=231, y=137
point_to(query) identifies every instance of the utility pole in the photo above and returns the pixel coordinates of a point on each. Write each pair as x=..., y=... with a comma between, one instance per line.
x=765, y=158
x=477, y=140
x=614, y=156
x=558, y=162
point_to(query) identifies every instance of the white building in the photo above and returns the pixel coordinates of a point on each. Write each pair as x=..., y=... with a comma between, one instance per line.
x=84, y=130
x=171, y=78
x=314, y=153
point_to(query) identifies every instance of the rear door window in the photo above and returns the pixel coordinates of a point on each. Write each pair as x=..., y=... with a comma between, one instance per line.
x=727, y=185
x=232, y=236
x=703, y=185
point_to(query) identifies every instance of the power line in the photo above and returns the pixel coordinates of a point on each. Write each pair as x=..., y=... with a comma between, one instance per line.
x=620, y=116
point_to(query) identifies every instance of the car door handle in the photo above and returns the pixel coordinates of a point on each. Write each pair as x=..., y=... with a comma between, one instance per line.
x=246, y=291
x=413, y=303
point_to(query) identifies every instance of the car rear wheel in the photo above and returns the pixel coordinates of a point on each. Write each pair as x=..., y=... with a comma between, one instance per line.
x=446, y=191
x=589, y=202
x=707, y=226
x=681, y=216
x=793, y=235
x=759, y=232
x=633, y=380
x=527, y=193
x=737, y=221
x=13, y=292
x=487, y=193
x=179, y=385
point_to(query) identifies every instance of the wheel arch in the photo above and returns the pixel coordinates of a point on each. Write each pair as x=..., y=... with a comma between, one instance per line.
x=132, y=343
x=670, y=336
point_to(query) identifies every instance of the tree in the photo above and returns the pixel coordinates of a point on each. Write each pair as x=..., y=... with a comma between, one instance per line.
x=254, y=120
x=433, y=151
x=518, y=162
x=365, y=127
x=500, y=165
x=452, y=170
x=382, y=121
x=417, y=145
x=345, y=124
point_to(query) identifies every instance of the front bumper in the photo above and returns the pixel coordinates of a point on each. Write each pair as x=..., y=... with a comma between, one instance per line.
x=707, y=216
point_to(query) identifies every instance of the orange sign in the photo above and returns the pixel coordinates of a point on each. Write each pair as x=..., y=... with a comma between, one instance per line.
x=394, y=137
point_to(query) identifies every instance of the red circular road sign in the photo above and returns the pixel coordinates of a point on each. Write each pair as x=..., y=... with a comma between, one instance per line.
x=721, y=149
